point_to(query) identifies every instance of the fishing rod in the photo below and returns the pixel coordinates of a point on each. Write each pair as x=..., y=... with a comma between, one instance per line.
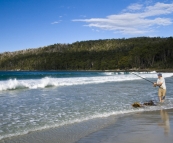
x=147, y=79
x=143, y=78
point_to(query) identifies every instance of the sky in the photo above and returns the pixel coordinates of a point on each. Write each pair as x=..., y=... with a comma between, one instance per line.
x=26, y=24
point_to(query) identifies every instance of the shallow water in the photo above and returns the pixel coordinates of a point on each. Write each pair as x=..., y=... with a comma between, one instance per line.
x=32, y=101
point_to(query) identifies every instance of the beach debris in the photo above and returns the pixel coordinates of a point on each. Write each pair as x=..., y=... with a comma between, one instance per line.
x=136, y=104
x=149, y=103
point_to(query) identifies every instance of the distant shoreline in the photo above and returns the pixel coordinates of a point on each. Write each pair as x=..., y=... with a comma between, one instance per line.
x=116, y=70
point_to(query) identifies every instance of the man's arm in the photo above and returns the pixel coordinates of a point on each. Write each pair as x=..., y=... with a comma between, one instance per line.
x=158, y=83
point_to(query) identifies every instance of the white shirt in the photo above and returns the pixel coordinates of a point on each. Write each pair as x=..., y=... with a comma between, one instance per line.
x=161, y=80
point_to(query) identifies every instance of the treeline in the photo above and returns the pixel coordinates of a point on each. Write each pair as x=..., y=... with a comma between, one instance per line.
x=109, y=54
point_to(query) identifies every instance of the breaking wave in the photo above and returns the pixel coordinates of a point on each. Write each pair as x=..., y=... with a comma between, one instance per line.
x=13, y=84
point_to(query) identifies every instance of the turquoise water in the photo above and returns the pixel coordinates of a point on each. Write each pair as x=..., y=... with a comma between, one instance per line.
x=31, y=101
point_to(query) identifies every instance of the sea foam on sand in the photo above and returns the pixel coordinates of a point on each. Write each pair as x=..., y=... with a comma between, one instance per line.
x=148, y=126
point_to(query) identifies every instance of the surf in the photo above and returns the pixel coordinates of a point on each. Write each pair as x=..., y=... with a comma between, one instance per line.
x=102, y=77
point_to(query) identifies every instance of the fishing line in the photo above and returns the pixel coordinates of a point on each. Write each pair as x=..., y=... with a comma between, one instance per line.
x=143, y=78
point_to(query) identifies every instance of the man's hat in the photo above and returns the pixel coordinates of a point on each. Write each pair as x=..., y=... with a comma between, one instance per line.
x=159, y=74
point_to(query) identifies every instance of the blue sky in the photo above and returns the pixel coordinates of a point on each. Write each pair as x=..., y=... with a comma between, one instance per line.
x=28, y=24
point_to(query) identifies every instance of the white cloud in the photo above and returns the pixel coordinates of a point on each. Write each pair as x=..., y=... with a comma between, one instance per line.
x=134, y=7
x=148, y=2
x=96, y=30
x=56, y=22
x=136, y=19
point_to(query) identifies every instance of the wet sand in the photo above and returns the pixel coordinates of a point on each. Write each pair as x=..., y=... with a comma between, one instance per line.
x=143, y=127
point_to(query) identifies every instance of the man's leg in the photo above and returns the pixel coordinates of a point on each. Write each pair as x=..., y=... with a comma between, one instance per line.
x=163, y=94
x=160, y=95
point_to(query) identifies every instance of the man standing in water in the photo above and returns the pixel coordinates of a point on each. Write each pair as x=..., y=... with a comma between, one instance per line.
x=162, y=87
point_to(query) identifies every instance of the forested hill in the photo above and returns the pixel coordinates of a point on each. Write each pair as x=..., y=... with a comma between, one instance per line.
x=109, y=54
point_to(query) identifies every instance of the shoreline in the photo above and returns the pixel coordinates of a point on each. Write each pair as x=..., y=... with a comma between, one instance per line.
x=122, y=128
x=152, y=126
x=116, y=70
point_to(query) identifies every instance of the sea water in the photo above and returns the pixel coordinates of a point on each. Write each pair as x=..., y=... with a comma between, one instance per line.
x=38, y=100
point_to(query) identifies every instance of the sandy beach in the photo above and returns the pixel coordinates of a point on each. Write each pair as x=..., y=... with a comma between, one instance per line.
x=77, y=107
x=152, y=126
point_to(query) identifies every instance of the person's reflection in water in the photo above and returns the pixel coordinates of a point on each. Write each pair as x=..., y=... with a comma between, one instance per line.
x=165, y=121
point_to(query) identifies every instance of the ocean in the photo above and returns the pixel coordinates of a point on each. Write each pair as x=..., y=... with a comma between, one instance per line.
x=33, y=101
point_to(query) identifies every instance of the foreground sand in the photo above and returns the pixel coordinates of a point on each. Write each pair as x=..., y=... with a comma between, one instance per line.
x=145, y=127
x=141, y=127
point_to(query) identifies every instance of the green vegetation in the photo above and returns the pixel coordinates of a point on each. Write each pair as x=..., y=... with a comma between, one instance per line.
x=109, y=54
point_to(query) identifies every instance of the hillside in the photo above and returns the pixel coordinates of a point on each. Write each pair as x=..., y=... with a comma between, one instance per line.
x=109, y=54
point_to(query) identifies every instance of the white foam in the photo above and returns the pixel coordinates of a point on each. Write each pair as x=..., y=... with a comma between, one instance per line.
x=103, y=115
x=47, y=81
x=109, y=73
